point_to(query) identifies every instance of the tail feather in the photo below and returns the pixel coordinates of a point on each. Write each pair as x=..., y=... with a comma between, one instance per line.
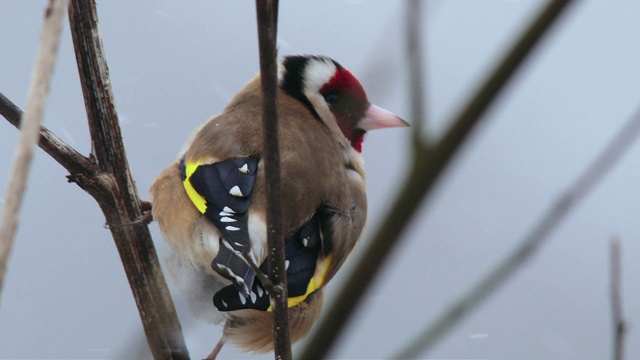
x=252, y=330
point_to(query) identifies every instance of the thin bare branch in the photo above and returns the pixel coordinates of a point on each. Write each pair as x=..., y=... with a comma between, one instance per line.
x=426, y=170
x=29, y=134
x=115, y=191
x=528, y=246
x=615, y=289
x=60, y=151
x=267, y=13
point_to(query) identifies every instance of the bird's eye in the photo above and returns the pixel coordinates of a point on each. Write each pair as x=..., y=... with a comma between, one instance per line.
x=330, y=98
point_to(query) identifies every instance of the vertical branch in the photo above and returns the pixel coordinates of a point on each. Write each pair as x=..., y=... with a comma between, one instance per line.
x=415, y=60
x=267, y=13
x=30, y=127
x=616, y=298
x=114, y=189
x=428, y=165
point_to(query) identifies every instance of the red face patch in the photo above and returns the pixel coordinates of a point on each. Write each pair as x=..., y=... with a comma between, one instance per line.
x=344, y=82
x=348, y=102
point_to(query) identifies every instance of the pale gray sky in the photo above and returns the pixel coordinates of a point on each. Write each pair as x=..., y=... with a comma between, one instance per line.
x=175, y=64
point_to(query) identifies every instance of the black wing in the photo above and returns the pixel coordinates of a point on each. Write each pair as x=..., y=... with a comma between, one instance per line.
x=225, y=194
x=301, y=254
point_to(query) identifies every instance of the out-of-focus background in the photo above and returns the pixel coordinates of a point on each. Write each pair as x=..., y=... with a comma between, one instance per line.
x=174, y=64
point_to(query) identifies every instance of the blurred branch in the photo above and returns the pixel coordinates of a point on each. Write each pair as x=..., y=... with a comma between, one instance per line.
x=619, y=327
x=267, y=16
x=428, y=165
x=29, y=133
x=114, y=189
x=415, y=61
x=527, y=246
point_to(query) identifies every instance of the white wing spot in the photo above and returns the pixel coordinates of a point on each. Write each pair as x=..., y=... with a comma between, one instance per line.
x=227, y=245
x=227, y=219
x=228, y=210
x=305, y=242
x=235, y=191
x=237, y=278
x=242, y=299
x=232, y=228
x=223, y=213
x=224, y=303
x=286, y=264
x=244, y=169
x=260, y=292
x=253, y=297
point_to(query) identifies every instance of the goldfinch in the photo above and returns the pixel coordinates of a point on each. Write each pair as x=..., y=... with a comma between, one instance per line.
x=210, y=203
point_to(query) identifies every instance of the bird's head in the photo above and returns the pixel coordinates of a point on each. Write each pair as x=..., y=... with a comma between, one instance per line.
x=333, y=94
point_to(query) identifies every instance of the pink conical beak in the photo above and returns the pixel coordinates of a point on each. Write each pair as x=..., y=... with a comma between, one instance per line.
x=378, y=118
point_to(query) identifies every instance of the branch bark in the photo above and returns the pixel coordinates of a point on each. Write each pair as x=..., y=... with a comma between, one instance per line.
x=267, y=14
x=114, y=189
x=38, y=91
x=427, y=167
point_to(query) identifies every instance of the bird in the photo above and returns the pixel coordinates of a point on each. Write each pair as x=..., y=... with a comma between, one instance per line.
x=210, y=203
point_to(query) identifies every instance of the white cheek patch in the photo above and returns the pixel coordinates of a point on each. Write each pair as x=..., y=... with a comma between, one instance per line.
x=317, y=73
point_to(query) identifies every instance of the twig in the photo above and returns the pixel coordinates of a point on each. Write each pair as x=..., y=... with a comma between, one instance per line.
x=619, y=327
x=29, y=134
x=60, y=151
x=529, y=245
x=426, y=170
x=267, y=14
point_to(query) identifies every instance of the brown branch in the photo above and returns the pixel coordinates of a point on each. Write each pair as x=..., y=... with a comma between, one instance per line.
x=38, y=91
x=267, y=14
x=426, y=170
x=615, y=290
x=60, y=151
x=113, y=187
